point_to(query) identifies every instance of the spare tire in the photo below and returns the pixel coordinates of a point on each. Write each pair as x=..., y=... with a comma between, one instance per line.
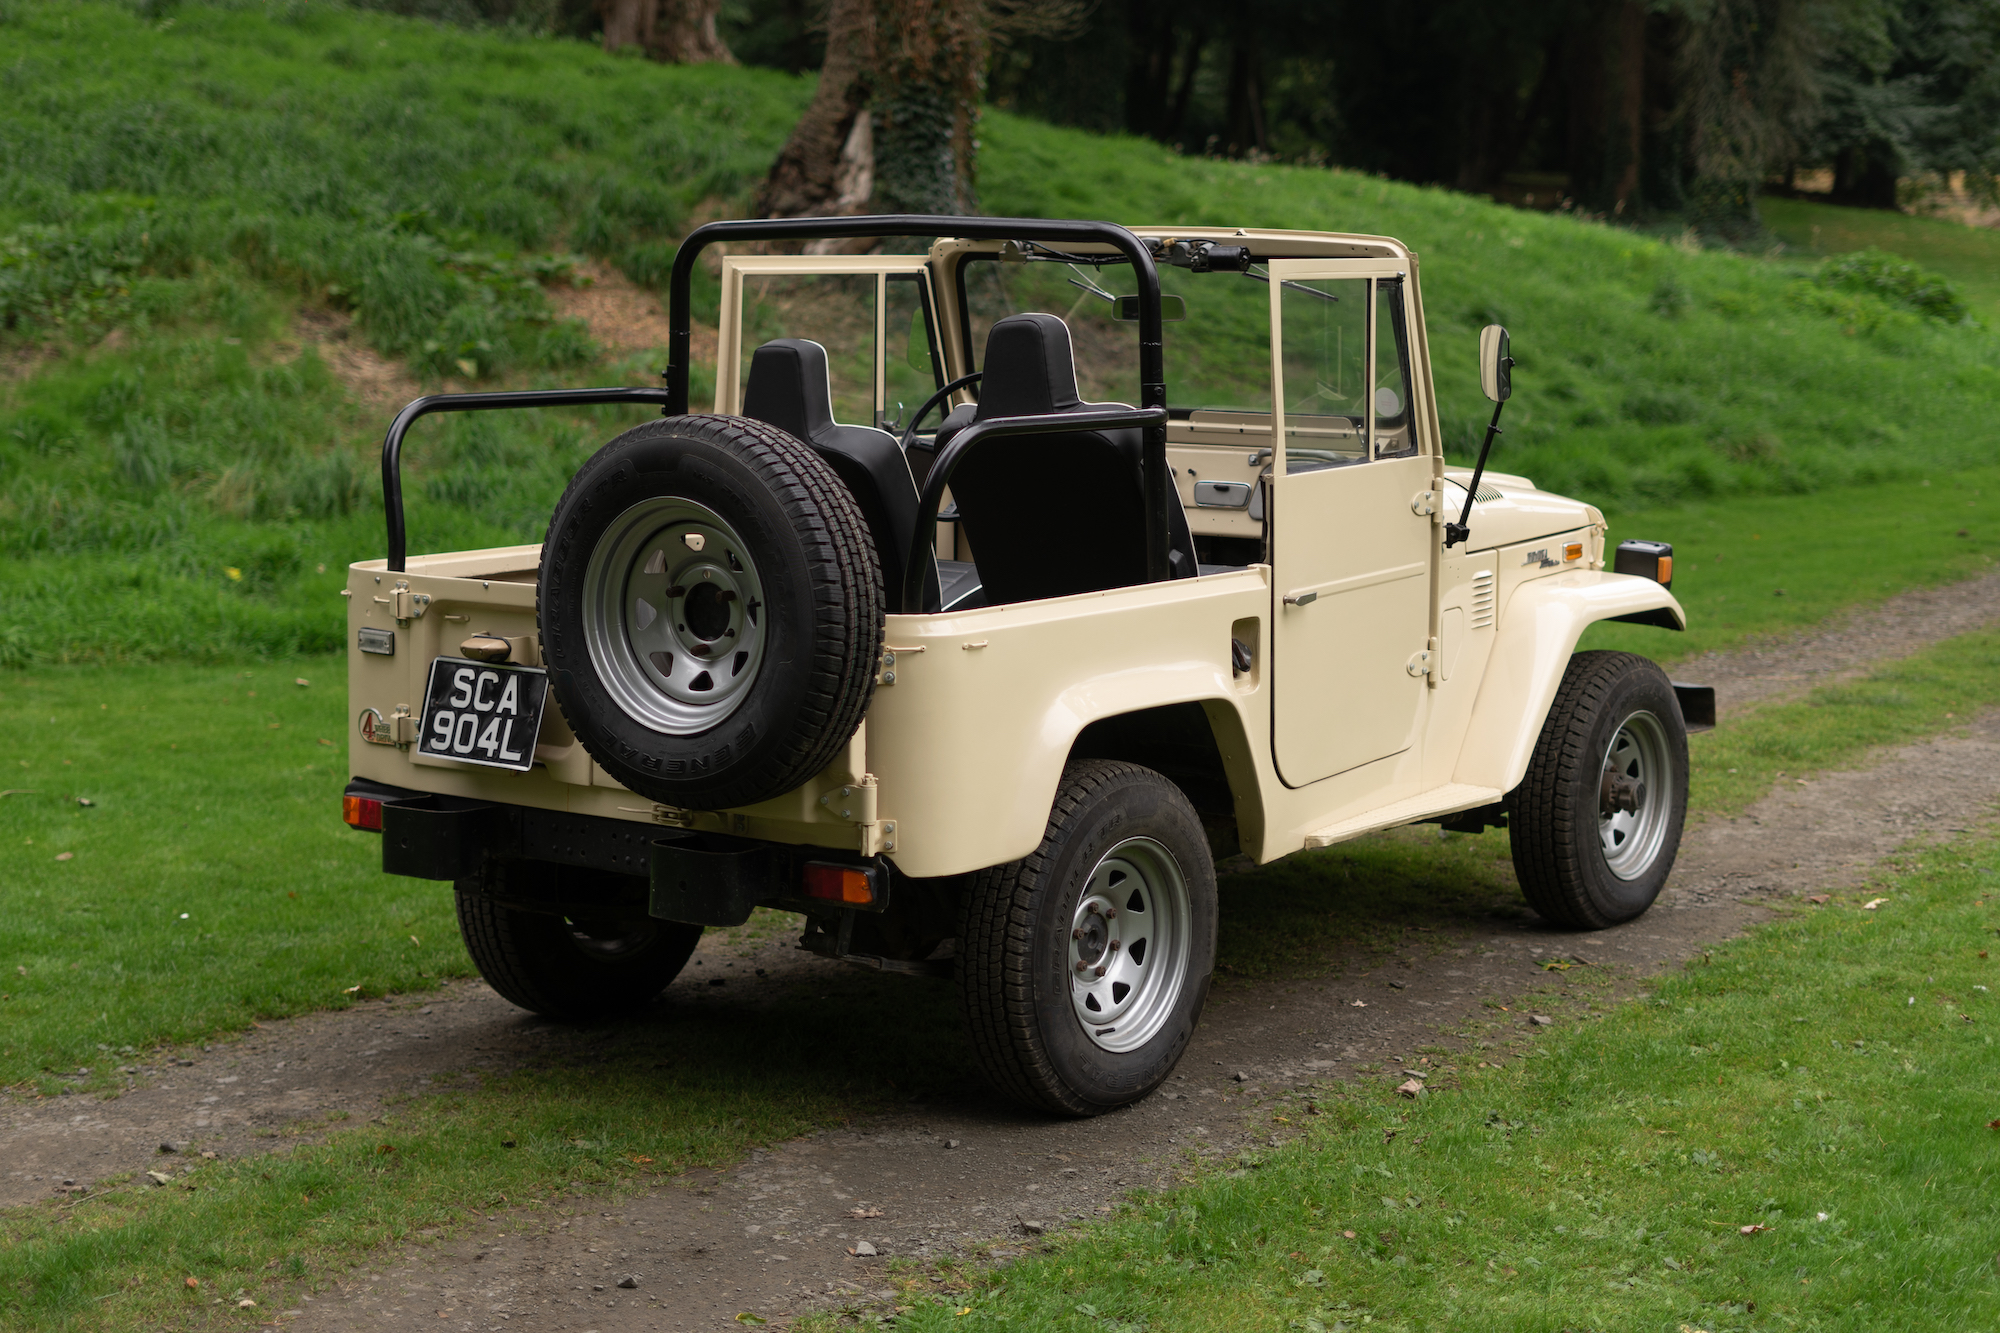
x=711, y=611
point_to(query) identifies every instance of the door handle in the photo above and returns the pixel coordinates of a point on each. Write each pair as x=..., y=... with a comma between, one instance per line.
x=1301, y=598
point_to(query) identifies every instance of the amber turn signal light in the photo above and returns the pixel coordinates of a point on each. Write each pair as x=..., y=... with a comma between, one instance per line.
x=850, y=885
x=363, y=812
x=1574, y=551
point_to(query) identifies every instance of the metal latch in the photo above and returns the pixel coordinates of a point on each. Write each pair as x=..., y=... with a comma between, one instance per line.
x=663, y=814
x=1423, y=663
x=1424, y=502
x=402, y=726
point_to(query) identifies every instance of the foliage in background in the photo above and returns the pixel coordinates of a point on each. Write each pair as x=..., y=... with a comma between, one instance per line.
x=134, y=474
x=408, y=172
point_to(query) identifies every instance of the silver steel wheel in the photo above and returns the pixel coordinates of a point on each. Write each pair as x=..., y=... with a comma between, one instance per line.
x=1635, y=796
x=1128, y=945
x=673, y=615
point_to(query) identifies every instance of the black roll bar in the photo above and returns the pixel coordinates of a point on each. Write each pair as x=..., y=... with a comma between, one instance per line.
x=1152, y=350
x=392, y=443
x=924, y=540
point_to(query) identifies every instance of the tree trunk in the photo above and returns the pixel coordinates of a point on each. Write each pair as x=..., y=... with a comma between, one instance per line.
x=806, y=178
x=626, y=22
x=684, y=34
x=892, y=124
x=1607, y=107
x=675, y=32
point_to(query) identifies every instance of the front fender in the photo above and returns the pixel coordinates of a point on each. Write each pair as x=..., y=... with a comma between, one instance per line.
x=1539, y=628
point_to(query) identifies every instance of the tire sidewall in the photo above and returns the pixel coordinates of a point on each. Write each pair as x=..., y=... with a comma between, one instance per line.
x=1642, y=689
x=1099, y=1079
x=710, y=768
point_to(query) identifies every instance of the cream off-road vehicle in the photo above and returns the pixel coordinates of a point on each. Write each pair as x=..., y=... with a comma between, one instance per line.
x=924, y=634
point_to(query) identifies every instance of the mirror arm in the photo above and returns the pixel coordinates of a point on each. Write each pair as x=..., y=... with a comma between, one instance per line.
x=1454, y=533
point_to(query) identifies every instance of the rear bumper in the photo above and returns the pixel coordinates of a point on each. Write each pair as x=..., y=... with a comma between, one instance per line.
x=704, y=879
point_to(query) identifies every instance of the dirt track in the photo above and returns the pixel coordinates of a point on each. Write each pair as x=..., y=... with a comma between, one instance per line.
x=772, y=1235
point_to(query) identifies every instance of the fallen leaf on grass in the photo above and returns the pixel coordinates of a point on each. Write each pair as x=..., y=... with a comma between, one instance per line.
x=1752, y=1229
x=1818, y=899
x=1993, y=1124
x=745, y=1317
x=65, y=856
x=162, y=1178
x=1411, y=1087
x=1872, y=904
x=1357, y=1004
x=352, y=990
x=324, y=741
x=192, y=1283
x=301, y=681
x=864, y=1212
x=246, y=1304
x=642, y=1161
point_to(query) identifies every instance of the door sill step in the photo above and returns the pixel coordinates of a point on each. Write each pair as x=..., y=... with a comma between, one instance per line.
x=1446, y=800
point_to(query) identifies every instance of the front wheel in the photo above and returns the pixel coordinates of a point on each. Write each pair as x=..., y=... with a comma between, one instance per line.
x=1596, y=823
x=1083, y=967
x=595, y=956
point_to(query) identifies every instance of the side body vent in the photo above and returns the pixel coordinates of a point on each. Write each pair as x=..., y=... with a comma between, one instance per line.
x=1482, y=599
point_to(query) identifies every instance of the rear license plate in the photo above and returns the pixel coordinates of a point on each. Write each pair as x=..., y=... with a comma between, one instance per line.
x=483, y=713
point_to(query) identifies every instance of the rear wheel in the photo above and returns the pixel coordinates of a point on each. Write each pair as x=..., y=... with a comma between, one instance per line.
x=1596, y=822
x=574, y=963
x=1084, y=966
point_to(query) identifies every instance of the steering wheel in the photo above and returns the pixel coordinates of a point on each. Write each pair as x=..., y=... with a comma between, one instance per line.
x=936, y=398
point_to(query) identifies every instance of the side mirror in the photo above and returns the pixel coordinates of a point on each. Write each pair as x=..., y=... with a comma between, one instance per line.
x=1496, y=365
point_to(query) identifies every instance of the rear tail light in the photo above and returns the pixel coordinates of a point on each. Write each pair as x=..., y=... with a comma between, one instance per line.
x=1649, y=560
x=364, y=812
x=851, y=886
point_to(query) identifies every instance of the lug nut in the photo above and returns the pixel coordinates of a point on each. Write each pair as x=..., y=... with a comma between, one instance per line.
x=1110, y=912
x=1083, y=967
x=1113, y=946
x=1100, y=969
x=1076, y=934
x=1093, y=909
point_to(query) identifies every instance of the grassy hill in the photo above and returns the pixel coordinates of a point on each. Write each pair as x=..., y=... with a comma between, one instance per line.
x=189, y=193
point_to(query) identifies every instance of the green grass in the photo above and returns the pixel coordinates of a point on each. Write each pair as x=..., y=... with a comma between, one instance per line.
x=1969, y=256
x=209, y=881
x=1826, y=1078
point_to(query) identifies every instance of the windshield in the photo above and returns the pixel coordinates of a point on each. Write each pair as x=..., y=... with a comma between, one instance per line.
x=1218, y=357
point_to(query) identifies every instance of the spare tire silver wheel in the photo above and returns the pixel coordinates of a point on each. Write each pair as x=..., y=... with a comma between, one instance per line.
x=1596, y=822
x=711, y=611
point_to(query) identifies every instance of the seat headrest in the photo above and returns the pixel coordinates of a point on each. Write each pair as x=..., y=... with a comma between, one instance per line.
x=789, y=387
x=1030, y=368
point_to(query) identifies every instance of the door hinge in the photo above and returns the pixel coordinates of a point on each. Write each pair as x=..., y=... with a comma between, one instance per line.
x=1425, y=502
x=854, y=802
x=1423, y=663
x=404, y=604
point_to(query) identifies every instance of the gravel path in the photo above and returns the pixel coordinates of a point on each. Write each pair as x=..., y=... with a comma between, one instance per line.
x=968, y=1175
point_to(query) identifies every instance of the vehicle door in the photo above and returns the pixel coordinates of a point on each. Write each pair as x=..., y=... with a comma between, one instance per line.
x=874, y=314
x=1350, y=554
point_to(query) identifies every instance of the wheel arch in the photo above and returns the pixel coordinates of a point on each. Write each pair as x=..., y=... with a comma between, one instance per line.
x=1201, y=747
x=1539, y=629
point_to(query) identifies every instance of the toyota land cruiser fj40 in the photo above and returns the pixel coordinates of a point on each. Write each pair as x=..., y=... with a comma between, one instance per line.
x=981, y=688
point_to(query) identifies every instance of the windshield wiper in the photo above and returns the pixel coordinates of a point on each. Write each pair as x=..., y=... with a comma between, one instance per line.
x=1295, y=286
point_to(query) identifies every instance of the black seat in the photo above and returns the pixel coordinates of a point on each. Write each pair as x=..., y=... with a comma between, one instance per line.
x=1052, y=515
x=789, y=388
